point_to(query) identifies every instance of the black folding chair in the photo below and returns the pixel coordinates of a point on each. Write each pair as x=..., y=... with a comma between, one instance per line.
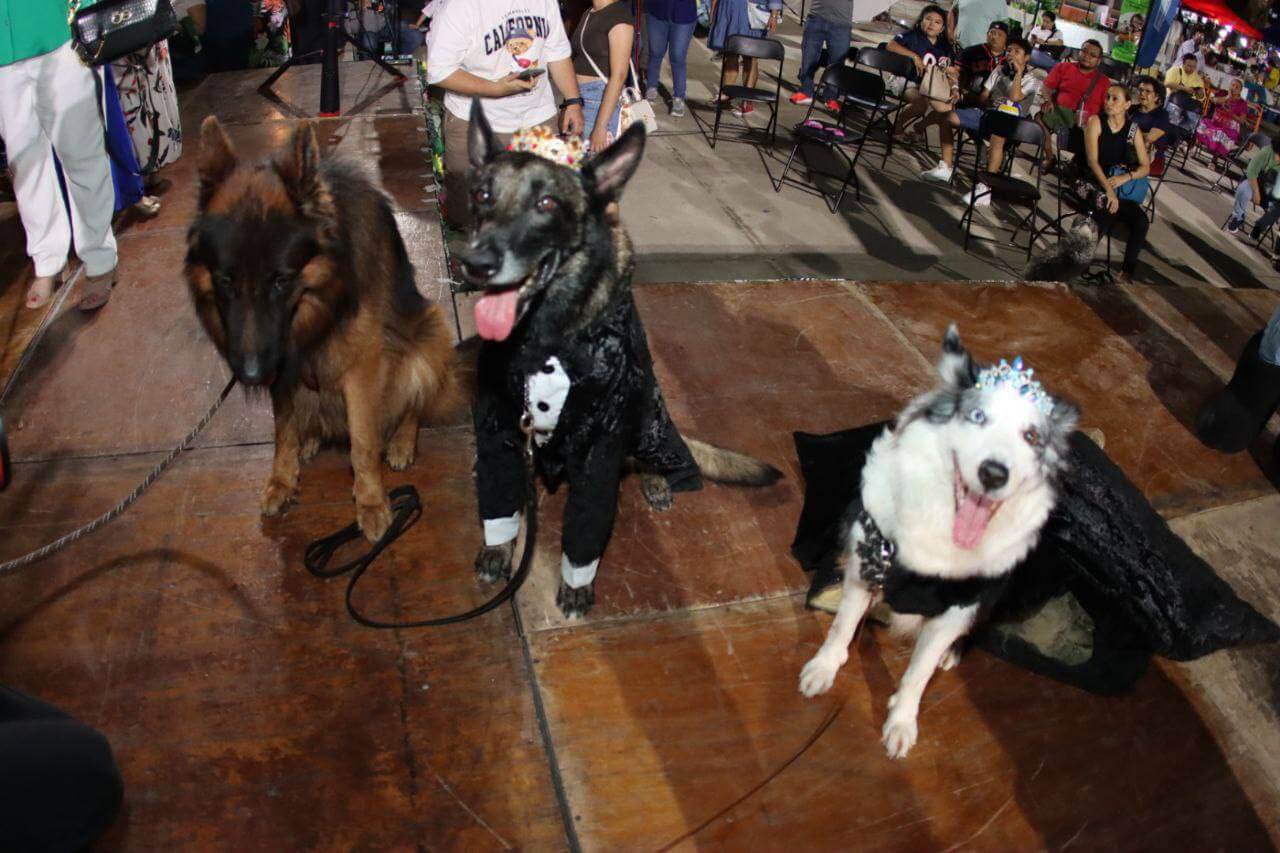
x=1157, y=181
x=895, y=65
x=1187, y=105
x=1002, y=185
x=1117, y=72
x=758, y=49
x=1239, y=158
x=847, y=85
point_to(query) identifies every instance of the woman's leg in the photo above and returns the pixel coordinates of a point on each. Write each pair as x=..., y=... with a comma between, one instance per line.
x=752, y=73
x=946, y=136
x=729, y=71
x=680, y=37
x=916, y=105
x=1130, y=213
x=659, y=32
x=65, y=94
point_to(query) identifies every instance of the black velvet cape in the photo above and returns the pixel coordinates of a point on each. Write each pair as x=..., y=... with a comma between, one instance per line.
x=1108, y=585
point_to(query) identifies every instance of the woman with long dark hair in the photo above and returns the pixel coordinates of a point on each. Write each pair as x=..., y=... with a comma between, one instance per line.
x=1116, y=155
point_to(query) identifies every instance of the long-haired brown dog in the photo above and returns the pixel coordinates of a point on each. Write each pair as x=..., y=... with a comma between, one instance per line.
x=301, y=279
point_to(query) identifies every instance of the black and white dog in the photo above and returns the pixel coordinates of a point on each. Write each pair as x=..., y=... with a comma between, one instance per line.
x=953, y=497
x=564, y=348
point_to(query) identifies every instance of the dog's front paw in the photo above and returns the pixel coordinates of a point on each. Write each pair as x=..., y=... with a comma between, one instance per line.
x=493, y=563
x=657, y=491
x=820, y=673
x=899, y=735
x=276, y=496
x=950, y=658
x=575, y=602
x=373, y=519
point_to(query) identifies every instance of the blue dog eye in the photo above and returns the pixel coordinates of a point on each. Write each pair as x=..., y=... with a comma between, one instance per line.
x=978, y=416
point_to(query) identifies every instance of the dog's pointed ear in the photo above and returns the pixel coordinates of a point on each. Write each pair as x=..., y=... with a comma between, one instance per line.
x=481, y=146
x=300, y=171
x=615, y=165
x=217, y=158
x=956, y=367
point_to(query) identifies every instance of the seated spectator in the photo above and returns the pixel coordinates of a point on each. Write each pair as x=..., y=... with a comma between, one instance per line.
x=1113, y=162
x=1184, y=78
x=1153, y=122
x=1249, y=190
x=926, y=40
x=1220, y=132
x=828, y=26
x=1074, y=92
x=1047, y=32
x=977, y=62
x=1273, y=77
x=1009, y=83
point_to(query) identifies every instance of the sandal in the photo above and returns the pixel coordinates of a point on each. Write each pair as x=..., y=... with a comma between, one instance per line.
x=147, y=206
x=96, y=290
x=42, y=287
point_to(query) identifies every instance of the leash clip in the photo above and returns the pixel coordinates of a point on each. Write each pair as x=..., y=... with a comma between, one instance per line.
x=526, y=427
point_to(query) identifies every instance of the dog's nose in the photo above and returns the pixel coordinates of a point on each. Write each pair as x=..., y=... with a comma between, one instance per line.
x=992, y=475
x=480, y=264
x=251, y=370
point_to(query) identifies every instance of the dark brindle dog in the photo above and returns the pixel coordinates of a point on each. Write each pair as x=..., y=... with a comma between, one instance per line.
x=564, y=346
x=301, y=279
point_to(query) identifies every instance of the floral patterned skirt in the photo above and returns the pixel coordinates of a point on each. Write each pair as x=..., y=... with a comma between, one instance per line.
x=150, y=104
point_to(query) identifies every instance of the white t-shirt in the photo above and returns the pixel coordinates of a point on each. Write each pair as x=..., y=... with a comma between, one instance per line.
x=1044, y=34
x=1188, y=46
x=999, y=86
x=491, y=39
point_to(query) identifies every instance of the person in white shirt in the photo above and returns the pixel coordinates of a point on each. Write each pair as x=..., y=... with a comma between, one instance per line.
x=1047, y=32
x=481, y=49
x=1192, y=45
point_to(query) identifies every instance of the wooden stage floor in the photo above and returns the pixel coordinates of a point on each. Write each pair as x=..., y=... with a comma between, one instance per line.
x=247, y=711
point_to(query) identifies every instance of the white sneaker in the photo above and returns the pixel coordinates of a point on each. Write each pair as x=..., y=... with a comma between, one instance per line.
x=677, y=107
x=651, y=94
x=982, y=200
x=940, y=173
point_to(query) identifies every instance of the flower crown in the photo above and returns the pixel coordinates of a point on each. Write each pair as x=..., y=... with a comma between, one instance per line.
x=540, y=140
x=1019, y=379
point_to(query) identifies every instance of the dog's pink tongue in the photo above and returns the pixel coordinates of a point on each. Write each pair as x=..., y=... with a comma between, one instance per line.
x=496, y=314
x=972, y=516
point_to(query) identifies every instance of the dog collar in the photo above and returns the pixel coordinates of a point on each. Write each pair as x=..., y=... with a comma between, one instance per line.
x=875, y=552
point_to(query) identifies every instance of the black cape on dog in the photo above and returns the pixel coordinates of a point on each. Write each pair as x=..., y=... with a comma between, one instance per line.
x=614, y=410
x=1108, y=585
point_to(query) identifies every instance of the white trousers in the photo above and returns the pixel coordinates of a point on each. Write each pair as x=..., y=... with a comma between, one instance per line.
x=46, y=105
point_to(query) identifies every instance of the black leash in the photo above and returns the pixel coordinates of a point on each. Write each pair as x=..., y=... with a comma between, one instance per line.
x=406, y=509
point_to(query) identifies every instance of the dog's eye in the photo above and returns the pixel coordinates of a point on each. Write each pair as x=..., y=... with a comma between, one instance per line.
x=547, y=204
x=281, y=282
x=482, y=196
x=222, y=280
x=977, y=416
x=1032, y=437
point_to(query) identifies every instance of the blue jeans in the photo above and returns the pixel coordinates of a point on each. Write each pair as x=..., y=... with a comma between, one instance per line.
x=668, y=39
x=1269, y=349
x=592, y=94
x=817, y=32
x=1042, y=60
x=1244, y=197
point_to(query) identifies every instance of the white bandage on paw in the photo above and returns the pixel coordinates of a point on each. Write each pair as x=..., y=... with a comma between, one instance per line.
x=576, y=577
x=500, y=531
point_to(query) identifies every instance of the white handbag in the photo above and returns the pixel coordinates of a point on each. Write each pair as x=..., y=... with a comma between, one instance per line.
x=633, y=108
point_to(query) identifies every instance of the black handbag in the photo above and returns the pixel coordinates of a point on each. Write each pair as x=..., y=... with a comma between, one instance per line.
x=111, y=29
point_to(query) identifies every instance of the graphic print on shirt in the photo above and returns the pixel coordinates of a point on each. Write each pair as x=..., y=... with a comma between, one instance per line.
x=517, y=35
